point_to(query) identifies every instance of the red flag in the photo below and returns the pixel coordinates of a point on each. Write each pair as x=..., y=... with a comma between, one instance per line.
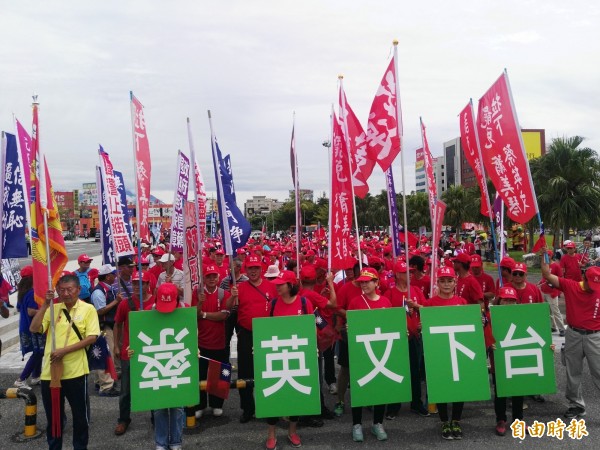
x=42, y=203
x=541, y=242
x=218, y=379
x=431, y=186
x=413, y=240
x=341, y=209
x=384, y=127
x=470, y=143
x=143, y=166
x=503, y=151
x=440, y=211
x=362, y=164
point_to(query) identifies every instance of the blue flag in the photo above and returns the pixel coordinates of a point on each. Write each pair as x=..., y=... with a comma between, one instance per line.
x=235, y=229
x=229, y=169
x=391, y=191
x=14, y=212
x=108, y=255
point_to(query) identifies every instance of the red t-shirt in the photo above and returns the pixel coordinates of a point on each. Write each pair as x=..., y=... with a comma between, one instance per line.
x=362, y=302
x=570, y=266
x=469, y=289
x=292, y=309
x=453, y=301
x=583, y=308
x=156, y=270
x=413, y=318
x=545, y=286
x=316, y=299
x=486, y=282
x=5, y=288
x=529, y=294
x=423, y=283
x=254, y=301
x=211, y=334
x=346, y=293
x=122, y=316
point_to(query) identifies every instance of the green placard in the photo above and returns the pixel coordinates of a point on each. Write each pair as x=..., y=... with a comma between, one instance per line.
x=378, y=350
x=286, y=373
x=164, y=366
x=523, y=359
x=455, y=358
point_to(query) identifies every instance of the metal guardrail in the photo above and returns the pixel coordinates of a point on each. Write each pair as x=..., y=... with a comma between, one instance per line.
x=30, y=430
x=190, y=412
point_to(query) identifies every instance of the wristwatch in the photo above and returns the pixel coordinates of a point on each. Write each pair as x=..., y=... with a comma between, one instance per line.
x=204, y=315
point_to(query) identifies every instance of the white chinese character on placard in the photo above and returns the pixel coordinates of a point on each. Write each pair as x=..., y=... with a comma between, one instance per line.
x=379, y=364
x=451, y=330
x=509, y=341
x=286, y=373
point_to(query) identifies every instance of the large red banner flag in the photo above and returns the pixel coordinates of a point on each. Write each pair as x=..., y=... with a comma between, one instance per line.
x=503, y=151
x=440, y=211
x=143, y=166
x=362, y=163
x=472, y=151
x=42, y=203
x=431, y=186
x=341, y=201
x=385, y=127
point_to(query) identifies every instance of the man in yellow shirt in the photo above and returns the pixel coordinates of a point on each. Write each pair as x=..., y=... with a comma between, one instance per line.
x=75, y=327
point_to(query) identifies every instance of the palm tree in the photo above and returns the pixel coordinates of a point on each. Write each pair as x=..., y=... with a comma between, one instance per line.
x=567, y=183
x=458, y=206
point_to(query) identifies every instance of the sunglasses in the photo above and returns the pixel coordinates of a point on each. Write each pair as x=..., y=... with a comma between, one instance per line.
x=518, y=274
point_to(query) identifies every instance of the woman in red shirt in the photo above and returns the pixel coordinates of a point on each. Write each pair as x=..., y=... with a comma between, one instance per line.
x=370, y=299
x=287, y=303
x=446, y=285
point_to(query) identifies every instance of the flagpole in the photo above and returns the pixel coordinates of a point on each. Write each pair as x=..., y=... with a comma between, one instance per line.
x=401, y=133
x=297, y=204
x=196, y=207
x=346, y=137
x=137, y=201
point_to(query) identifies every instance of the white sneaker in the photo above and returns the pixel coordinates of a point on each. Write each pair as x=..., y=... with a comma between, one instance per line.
x=34, y=381
x=198, y=413
x=217, y=412
x=21, y=384
x=333, y=388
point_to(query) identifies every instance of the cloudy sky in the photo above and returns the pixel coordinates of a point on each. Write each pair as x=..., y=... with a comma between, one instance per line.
x=253, y=63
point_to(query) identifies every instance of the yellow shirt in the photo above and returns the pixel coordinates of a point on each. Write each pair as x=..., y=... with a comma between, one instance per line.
x=84, y=315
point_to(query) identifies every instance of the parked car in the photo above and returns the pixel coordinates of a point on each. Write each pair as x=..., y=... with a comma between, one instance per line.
x=97, y=237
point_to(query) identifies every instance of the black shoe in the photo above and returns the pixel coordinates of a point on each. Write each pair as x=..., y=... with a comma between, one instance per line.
x=561, y=333
x=246, y=417
x=112, y=392
x=422, y=411
x=538, y=398
x=311, y=421
x=574, y=411
x=9, y=305
x=554, y=330
x=327, y=414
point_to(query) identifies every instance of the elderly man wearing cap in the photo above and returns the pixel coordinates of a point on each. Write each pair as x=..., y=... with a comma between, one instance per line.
x=467, y=286
x=412, y=303
x=582, y=338
x=446, y=283
x=170, y=273
x=122, y=284
x=506, y=266
x=418, y=277
x=551, y=294
x=254, y=298
x=570, y=262
x=82, y=273
x=231, y=322
x=526, y=292
x=105, y=300
x=222, y=263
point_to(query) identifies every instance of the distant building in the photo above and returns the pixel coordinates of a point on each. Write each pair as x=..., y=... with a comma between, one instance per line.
x=305, y=194
x=439, y=173
x=260, y=204
x=88, y=195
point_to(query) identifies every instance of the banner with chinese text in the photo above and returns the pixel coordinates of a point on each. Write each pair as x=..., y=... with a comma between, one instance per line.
x=181, y=195
x=378, y=350
x=286, y=373
x=164, y=365
x=143, y=165
x=191, y=261
x=455, y=357
x=523, y=359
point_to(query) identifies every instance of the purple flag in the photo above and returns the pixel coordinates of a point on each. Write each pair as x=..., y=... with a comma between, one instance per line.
x=497, y=210
x=181, y=193
x=391, y=191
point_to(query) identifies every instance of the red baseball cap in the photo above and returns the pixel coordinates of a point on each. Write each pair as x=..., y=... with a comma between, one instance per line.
x=166, y=298
x=219, y=252
x=285, y=276
x=253, y=261
x=507, y=292
x=84, y=258
x=145, y=277
x=570, y=244
x=476, y=261
x=210, y=269
x=462, y=258
x=592, y=275
x=400, y=267
x=308, y=272
x=520, y=267
x=507, y=262
x=368, y=274
x=27, y=271
x=446, y=272
x=158, y=251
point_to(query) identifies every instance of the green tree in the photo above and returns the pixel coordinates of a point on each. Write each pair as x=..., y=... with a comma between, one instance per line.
x=458, y=201
x=567, y=184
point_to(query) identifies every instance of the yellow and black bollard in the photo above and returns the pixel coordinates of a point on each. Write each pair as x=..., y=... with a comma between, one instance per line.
x=30, y=430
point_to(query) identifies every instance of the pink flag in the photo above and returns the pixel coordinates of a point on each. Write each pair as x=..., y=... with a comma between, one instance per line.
x=341, y=201
x=201, y=190
x=25, y=154
x=191, y=254
x=362, y=164
x=440, y=210
x=431, y=186
x=470, y=143
x=503, y=151
x=385, y=128
x=143, y=166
